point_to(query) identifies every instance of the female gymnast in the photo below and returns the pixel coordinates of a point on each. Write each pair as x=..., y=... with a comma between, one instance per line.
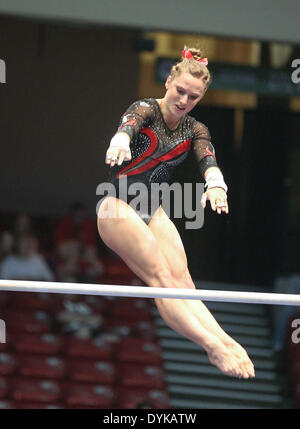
x=154, y=136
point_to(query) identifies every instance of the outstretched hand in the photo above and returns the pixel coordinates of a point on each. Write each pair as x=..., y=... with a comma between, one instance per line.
x=217, y=198
x=119, y=149
x=116, y=155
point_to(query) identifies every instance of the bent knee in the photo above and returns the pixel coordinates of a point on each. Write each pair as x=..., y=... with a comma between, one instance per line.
x=179, y=279
x=182, y=278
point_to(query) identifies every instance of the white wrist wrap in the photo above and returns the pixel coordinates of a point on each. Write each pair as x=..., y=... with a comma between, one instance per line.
x=215, y=179
x=120, y=140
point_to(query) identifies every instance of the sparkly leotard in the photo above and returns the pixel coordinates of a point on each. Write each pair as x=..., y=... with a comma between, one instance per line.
x=156, y=150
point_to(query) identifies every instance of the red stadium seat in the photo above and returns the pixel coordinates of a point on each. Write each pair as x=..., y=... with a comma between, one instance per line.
x=49, y=367
x=48, y=344
x=8, y=363
x=141, y=329
x=18, y=405
x=4, y=301
x=149, y=377
x=96, y=303
x=4, y=347
x=28, y=301
x=117, y=279
x=89, y=395
x=33, y=323
x=76, y=303
x=138, y=350
x=132, y=310
x=92, y=371
x=135, y=397
x=28, y=390
x=4, y=389
x=89, y=348
x=115, y=267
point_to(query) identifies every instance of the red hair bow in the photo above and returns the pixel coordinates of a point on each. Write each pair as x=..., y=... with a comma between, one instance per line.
x=188, y=54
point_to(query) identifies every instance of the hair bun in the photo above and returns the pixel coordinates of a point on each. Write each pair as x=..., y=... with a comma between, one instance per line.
x=195, y=68
x=194, y=52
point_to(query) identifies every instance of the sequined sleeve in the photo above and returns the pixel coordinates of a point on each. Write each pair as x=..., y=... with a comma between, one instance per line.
x=138, y=115
x=203, y=148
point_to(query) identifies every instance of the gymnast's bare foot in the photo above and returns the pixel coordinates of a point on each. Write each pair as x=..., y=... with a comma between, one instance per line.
x=237, y=350
x=228, y=362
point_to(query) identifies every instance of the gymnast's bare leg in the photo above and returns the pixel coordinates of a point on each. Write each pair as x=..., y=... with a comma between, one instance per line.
x=126, y=234
x=172, y=248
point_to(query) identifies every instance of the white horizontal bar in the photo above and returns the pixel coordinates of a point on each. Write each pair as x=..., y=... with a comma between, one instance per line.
x=149, y=292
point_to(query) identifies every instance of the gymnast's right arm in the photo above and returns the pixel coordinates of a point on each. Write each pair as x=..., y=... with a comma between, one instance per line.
x=138, y=115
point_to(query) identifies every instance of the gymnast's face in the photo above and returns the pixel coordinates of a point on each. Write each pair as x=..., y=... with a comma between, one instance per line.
x=183, y=93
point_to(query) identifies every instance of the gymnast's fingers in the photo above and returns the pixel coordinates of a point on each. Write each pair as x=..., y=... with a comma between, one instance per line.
x=221, y=205
x=108, y=156
x=212, y=203
x=121, y=157
x=112, y=156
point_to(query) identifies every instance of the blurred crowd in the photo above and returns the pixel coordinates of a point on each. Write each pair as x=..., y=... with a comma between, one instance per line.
x=67, y=249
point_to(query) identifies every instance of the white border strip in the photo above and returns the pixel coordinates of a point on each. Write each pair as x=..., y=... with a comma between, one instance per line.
x=149, y=292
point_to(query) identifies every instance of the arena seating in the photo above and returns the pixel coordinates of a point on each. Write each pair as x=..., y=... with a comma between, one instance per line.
x=118, y=364
x=75, y=351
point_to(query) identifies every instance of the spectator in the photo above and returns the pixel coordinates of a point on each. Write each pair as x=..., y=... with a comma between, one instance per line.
x=26, y=263
x=22, y=224
x=75, y=241
x=6, y=244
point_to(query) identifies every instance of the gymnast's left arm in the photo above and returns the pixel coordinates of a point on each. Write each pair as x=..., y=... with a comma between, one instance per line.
x=216, y=188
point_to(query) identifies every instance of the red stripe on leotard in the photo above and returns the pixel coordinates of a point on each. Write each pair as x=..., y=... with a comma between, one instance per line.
x=182, y=147
x=153, y=145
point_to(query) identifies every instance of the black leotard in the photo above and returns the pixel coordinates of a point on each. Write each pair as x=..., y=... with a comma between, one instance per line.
x=156, y=150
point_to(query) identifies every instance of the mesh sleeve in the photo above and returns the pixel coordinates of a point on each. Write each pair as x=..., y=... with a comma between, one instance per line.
x=137, y=116
x=203, y=148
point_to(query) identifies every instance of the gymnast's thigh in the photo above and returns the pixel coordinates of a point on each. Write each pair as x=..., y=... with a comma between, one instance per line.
x=125, y=233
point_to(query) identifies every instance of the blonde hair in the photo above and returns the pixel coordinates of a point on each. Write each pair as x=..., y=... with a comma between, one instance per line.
x=192, y=66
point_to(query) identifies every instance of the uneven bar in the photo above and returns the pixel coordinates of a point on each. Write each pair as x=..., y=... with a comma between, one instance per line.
x=149, y=292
